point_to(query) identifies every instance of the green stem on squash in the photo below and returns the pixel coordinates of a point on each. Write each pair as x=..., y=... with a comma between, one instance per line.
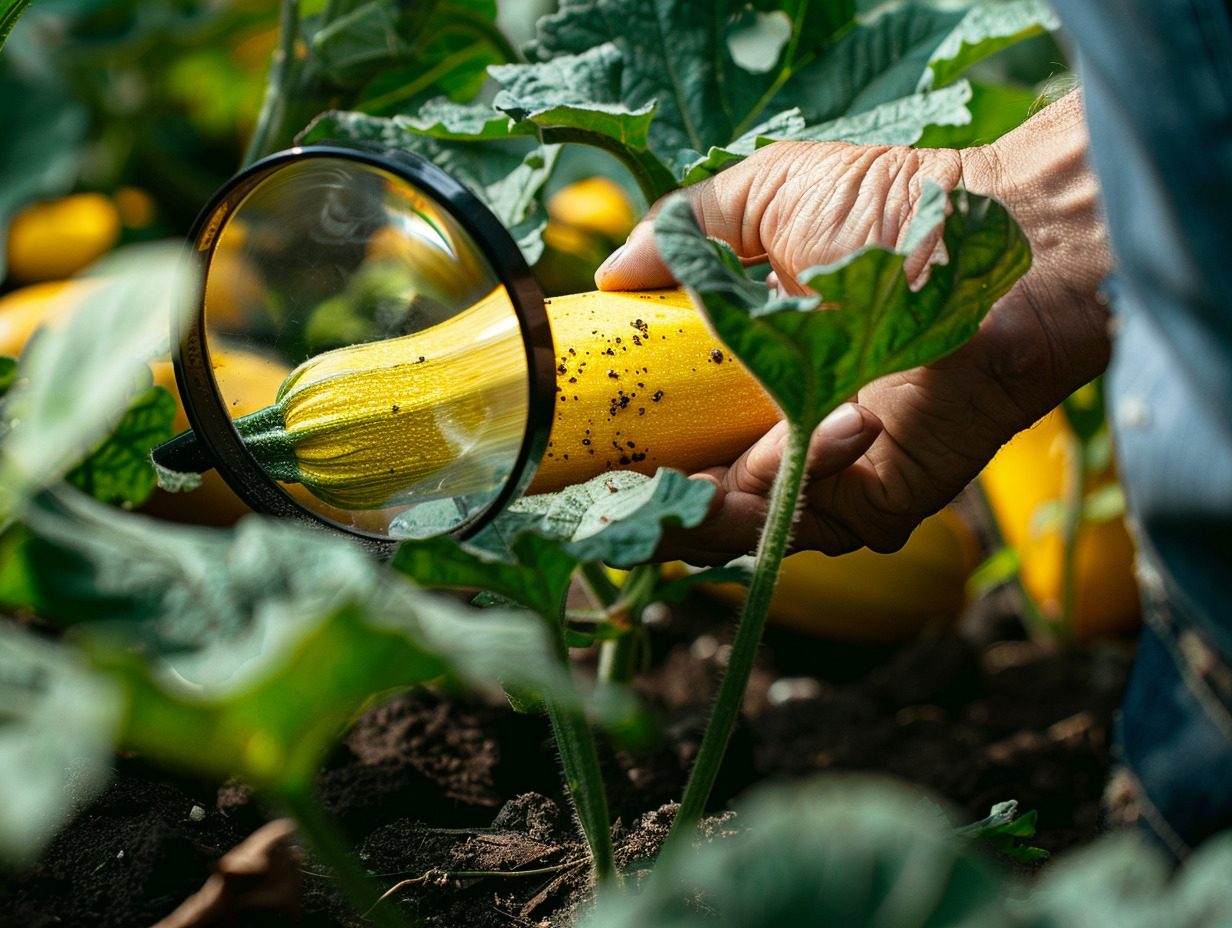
x=333, y=850
x=770, y=551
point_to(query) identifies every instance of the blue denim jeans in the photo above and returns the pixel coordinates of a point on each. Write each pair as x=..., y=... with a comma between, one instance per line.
x=1157, y=79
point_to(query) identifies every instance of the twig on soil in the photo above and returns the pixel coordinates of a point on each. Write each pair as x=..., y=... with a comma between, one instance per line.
x=257, y=874
x=440, y=877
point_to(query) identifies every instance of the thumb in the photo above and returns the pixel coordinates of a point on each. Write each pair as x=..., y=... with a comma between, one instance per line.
x=635, y=265
x=728, y=206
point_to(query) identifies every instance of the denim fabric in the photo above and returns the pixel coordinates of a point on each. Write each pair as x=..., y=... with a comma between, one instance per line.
x=1157, y=78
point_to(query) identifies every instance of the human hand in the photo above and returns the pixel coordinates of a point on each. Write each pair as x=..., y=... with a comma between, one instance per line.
x=909, y=442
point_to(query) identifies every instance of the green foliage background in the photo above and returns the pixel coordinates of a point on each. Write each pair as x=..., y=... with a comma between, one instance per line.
x=249, y=650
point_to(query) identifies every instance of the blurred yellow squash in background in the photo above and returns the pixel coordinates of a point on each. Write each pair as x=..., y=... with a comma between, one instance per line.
x=54, y=239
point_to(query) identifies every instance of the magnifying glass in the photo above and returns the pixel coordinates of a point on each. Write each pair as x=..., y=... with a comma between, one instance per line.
x=364, y=347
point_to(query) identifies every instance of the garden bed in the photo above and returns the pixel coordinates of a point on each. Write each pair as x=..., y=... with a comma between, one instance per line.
x=426, y=783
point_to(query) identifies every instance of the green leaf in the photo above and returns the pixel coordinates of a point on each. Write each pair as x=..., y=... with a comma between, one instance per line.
x=895, y=50
x=1123, y=881
x=400, y=53
x=10, y=12
x=616, y=518
x=273, y=723
x=1103, y=504
x=676, y=590
x=784, y=125
x=274, y=728
x=1002, y=829
x=530, y=551
x=58, y=720
x=850, y=852
x=507, y=176
x=660, y=85
x=898, y=122
x=76, y=381
x=534, y=572
x=206, y=600
x=987, y=28
x=574, y=92
x=175, y=481
x=119, y=471
x=461, y=122
x=1084, y=411
x=274, y=634
x=995, y=110
x=998, y=568
x=811, y=361
x=8, y=374
x=573, y=99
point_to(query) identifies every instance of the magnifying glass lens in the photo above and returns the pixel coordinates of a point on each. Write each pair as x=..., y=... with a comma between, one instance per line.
x=365, y=348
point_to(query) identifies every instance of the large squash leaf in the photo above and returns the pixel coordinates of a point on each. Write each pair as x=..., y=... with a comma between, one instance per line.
x=811, y=358
x=661, y=80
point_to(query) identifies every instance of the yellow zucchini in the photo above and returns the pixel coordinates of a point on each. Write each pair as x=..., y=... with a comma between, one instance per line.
x=54, y=239
x=869, y=598
x=641, y=383
x=1031, y=472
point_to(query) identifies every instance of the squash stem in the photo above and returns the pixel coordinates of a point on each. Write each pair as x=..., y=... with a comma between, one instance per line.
x=618, y=657
x=770, y=551
x=1072, y=526
x=654, y=178
x=580, y=763
x=282, y=75
x=331, y=847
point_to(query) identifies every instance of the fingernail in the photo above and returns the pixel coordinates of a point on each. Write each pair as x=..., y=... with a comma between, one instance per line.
x=845, y=422
x=612, y=262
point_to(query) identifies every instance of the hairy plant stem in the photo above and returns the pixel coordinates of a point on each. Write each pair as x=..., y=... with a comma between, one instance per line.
x=278, y=90
x=770, y=551
x=579, y=761
x=333, y=850
x=618, y=657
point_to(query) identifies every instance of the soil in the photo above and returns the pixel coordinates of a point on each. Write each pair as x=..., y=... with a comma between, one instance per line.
x=426, y=786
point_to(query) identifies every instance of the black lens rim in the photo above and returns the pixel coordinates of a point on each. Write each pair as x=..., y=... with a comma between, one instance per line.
x=203, y=402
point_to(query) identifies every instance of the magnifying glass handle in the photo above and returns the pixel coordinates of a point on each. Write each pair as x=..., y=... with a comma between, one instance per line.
x=184, y=453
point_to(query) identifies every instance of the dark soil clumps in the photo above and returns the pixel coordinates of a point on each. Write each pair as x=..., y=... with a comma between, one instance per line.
x=434, y=792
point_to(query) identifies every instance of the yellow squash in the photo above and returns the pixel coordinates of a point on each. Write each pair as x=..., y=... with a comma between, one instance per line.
x=641, y=384
x=1030, y=472
x=869, y=598
x=54, y=239
x=36, y=306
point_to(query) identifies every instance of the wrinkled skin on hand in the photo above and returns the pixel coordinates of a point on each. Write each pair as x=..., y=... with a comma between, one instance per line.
x=908, y=443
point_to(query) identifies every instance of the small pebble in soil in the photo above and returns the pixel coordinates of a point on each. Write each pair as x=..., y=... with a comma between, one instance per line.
x=786, y=689
x=657, y=615
x=196, y=814
x=704, y=647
